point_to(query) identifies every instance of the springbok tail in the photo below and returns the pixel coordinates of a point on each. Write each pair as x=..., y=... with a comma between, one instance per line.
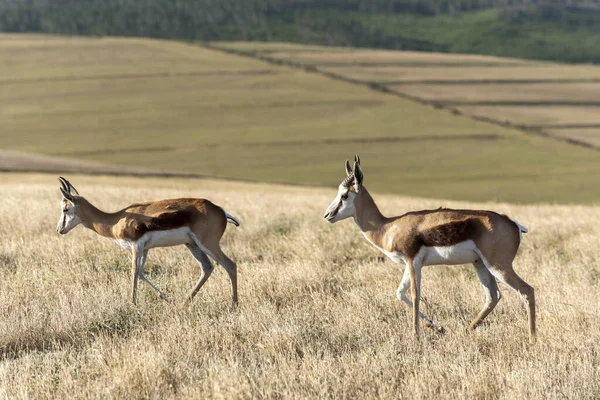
x=231, y=219
x=522, y=229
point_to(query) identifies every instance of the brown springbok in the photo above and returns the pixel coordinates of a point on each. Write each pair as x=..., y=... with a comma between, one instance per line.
x=197, y=223
x=431, y=237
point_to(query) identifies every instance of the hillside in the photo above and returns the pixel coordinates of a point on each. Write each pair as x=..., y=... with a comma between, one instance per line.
x=318, y=315
x=165, y=105
x=550, y=30
x=542, y=98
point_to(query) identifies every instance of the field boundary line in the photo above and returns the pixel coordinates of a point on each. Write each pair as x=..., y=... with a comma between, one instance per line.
x=530, y=130
x=486, y=81
x=137, y=76
x=379, y=139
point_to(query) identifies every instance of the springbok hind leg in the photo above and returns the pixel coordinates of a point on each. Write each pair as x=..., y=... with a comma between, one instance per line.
x=206, y=269
x=231, y=269
x=214, y=250
x=490, y=288
x=508, y=275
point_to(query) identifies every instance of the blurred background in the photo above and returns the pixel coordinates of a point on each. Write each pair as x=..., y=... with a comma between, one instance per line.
x=456, y=99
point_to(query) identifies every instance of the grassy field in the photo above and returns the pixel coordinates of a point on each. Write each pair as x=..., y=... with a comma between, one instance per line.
x=318, y=315
x=522, y=92
x=161, y=105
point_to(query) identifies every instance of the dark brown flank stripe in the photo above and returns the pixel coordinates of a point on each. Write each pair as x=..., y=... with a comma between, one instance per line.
x=138, y=219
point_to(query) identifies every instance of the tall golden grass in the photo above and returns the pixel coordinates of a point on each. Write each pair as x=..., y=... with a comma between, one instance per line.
x=318, y=315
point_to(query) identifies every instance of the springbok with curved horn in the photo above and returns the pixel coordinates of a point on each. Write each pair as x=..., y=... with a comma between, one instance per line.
x=196, y=223
x=430, y=237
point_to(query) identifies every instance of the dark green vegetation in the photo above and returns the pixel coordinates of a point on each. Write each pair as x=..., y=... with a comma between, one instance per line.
x=179, y=107
x=552, y=30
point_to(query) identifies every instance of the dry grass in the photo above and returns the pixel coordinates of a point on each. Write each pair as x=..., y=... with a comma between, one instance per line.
x=351, y=56
x=467, y=73
x=16, y=161
x=536, y=115
x=501, y=92
x=37, y=57
x=589, y=135
x=318, y=315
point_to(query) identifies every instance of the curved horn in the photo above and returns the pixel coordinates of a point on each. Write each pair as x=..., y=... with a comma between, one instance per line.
x=64, y=183
x=67, y=185
x=346, y=182
x=348, y=168
x=73, y=188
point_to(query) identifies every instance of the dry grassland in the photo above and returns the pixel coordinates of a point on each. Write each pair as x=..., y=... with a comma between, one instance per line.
x=454, y=74
x=589, y=135
x=549, y=117
x=351, y=56
x=269, y=47
x=318, y=317
x=584, y=92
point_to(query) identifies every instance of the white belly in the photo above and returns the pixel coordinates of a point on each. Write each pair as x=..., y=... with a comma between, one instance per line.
x=124, y=243
x=395, y=256
x=461, y=253
x=173, y=237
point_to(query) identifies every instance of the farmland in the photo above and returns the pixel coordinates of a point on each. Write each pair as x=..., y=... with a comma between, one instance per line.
x=167, y=106
x=318, y=315
x=557, y=99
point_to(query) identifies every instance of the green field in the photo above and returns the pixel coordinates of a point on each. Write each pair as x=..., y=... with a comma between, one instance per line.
x=181, y=107
x=557, y=99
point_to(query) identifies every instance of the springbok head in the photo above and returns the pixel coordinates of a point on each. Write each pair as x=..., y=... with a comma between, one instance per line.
x=68, y=205
x=343, y=205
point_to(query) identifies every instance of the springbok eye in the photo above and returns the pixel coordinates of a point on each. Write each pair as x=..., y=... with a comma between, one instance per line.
x=345, y=196
x=66, y=210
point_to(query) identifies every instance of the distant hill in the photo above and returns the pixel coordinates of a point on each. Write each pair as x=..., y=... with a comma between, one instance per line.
x=559, y=30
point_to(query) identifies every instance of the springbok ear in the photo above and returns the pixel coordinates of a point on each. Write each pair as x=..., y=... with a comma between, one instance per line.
x=356, y=159
x=67, y=195
x=358, y=176
x=348, y=169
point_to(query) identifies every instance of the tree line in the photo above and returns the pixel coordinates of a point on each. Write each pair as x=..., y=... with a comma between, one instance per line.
x=367, y=23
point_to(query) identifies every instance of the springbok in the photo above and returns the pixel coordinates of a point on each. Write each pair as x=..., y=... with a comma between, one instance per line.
x=197, y=223
x=431, y=237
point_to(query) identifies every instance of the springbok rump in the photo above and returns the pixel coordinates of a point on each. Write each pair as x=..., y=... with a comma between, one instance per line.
x=430, y=237
x=196, y=223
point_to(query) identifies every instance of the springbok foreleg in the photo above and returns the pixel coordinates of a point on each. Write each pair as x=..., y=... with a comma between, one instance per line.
x=135, y=261
x=401, y=294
